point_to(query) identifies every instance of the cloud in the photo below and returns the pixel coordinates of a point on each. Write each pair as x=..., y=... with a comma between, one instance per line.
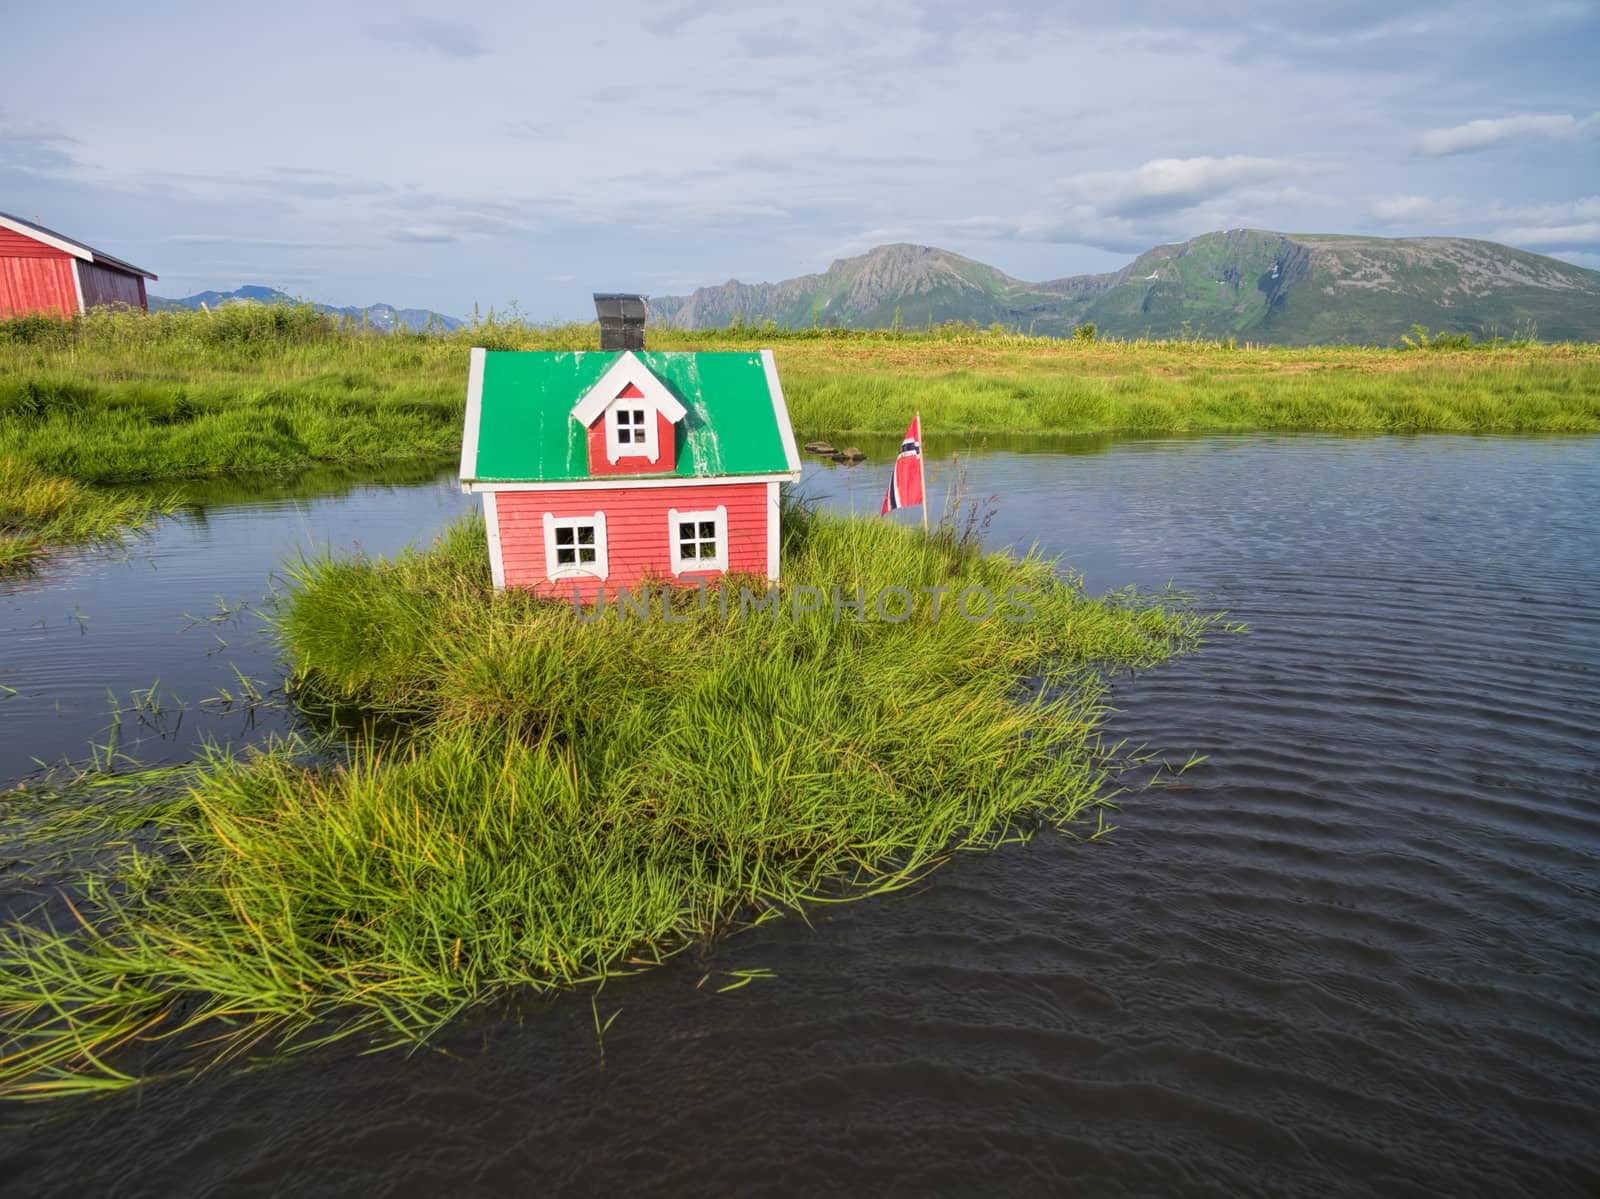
x=1564, y=237
x=35, y=152
x=675, y=20
x=1480, y=135
x=869, y=239
x=775, y=43
x=437, y=37
x=1410, y=208
x=1586, y=208
x=1169, y=185
x=423, y=235
x=1579, y=258
x=175, y=284
x=1569, y=224
x=1165, y=199
x=265, y=243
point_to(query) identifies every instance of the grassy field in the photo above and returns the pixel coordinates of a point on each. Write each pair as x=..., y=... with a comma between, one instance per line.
x=556, y=803
x=119, y=397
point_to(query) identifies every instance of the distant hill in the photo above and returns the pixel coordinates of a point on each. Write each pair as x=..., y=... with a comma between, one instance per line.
x=1290, y=289
x=384, y=317
x=864, y=293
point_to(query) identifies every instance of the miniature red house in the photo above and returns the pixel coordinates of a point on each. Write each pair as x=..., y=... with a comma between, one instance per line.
x=614, y=469
x=42, y=271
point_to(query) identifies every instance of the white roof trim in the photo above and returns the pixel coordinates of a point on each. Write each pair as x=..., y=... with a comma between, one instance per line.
x=780, y=409
x=469, y=437
x=627, y=369
x=633, y=481
x=59, y=243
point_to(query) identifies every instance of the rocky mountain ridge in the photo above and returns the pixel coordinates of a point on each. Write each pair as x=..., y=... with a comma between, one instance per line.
x=1293, y=289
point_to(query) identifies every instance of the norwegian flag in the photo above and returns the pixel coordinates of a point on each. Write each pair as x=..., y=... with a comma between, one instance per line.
x=905, y=487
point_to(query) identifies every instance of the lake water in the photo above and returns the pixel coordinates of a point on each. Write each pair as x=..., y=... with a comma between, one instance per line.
x=1356, y=952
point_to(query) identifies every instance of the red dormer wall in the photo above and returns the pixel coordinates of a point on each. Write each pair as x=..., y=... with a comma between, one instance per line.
x=666, y=437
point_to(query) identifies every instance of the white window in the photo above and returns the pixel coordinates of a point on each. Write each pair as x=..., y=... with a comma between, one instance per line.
x=699, y=540
x=575, y=546
x=631, y=430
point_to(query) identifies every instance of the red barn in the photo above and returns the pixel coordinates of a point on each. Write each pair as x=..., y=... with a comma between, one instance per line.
x=48, y=272
x=625, y=467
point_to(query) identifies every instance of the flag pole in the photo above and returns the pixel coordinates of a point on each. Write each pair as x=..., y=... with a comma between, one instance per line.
x=922, y=466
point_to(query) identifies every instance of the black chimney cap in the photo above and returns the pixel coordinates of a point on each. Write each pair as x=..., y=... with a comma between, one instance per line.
x=619, y=305
x=622, y=316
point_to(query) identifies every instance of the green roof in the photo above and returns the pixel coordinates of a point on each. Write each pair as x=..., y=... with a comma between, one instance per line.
x=520, y=426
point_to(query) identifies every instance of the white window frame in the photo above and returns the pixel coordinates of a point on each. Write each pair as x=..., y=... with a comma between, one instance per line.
x=651, y=447
x=598, y=569
x=694, y=566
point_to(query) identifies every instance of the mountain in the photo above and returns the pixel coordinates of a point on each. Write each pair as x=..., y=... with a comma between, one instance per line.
x=1289, y=289
x=384, y=317
x=866, y=292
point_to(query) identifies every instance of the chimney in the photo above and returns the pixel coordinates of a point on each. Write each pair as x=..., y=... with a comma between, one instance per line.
x=621, y=320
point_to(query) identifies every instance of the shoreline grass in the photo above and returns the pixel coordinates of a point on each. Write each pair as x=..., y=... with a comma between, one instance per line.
x=558, y=802
x=118, y=397
x=40, y=513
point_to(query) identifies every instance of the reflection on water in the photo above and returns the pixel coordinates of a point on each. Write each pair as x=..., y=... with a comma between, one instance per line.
x=1353, y=953
x=142, y=645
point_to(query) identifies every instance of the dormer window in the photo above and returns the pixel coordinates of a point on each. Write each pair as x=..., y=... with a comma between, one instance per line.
x=627, y=417
x=625, y=412
x=631, y=429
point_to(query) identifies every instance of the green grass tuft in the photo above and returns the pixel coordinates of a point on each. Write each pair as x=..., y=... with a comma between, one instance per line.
x=554, y=800
x=40, y=512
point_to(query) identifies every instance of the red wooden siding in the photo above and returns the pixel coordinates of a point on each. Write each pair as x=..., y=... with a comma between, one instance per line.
x=638, y=542
x=36, y=277
x=16, y=245
x=666, y=440
x=107, y=285
x=36, y=283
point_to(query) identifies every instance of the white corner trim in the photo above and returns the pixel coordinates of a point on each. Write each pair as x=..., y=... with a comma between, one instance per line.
x=77, y=286
x=627, y=369
x=57, y=243
x=497, y=557
x=599, y=569
x=780, y=409
x=631, y=481
x=774, y=514
x=718, y=516
x=469, y=435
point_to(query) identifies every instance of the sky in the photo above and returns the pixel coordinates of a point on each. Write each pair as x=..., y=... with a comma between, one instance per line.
x=530, y=154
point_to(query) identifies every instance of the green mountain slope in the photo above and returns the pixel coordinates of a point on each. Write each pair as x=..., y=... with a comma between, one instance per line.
x=865, y=292
x=1289, y=289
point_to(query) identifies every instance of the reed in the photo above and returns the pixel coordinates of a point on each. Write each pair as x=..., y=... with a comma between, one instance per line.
x=538, y=801
x=40, y=512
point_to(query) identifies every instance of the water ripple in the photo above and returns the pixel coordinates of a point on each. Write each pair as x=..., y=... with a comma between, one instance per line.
x=1352, y=953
